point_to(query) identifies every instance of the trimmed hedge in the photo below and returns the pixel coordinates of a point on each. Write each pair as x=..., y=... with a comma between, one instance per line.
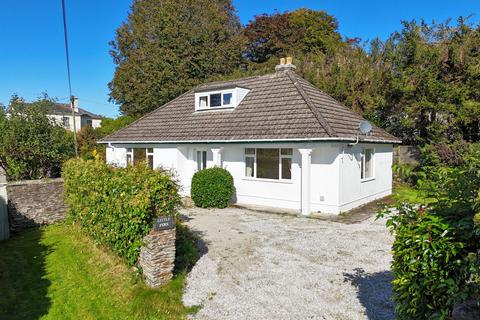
x=212, y=188
x=117, y=207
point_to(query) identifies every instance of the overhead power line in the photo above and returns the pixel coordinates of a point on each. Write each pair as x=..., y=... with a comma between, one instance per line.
x=72, y=98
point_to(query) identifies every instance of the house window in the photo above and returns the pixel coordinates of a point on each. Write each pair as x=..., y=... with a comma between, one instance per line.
x=201, y=160
x=89, y=122
x=66, y=122
x=250, y=162
x=215, y=100
x=140, y=155
x=150, y=157
x=227, y=98
x=129, y=156
x=367, y=164
x=286, y=163
x=269, y=163
x=203, y=102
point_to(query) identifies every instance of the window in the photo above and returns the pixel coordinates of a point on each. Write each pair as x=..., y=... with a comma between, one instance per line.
x=216, y=100
x=227, y=97
x=266, y=163
x=150, y=157
x=66, y=122
x=139, y=155
x=250, y=162
x=286, y=163
x=129, y=156
x=201, y=160
x=203, y=102
x=367, y=164
x=89, y=122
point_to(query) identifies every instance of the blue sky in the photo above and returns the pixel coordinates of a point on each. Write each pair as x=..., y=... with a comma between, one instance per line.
x=32, y=58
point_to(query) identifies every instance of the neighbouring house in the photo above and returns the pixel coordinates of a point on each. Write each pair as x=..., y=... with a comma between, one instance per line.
x=286, y=143
x=62, y=114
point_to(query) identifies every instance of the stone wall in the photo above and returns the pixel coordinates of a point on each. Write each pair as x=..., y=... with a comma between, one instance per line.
x=157, y=257
x=35, y=202
x=406, y=154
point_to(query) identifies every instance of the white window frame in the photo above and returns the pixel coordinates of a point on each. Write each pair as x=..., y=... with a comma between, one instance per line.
x=209, y=100
x=280, y=157
x=204, y=159
x=148, y=154
x=130, y=152
x=66, y=122
x=362, y=164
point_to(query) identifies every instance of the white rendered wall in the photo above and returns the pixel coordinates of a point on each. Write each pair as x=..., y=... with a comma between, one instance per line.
x=353, y=191
x=335, y=176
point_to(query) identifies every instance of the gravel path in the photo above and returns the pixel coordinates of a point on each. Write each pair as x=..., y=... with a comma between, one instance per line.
x=267, y=266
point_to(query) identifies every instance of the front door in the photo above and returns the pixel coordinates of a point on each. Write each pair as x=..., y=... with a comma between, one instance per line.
x=201, y=160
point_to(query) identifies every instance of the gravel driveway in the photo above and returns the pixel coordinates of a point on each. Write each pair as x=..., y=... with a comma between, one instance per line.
x=269, y=266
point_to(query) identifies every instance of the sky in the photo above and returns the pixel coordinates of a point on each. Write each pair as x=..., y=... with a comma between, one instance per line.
x=32, y=54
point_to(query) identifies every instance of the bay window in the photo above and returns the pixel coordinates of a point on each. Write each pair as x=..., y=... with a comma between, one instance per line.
x=268, y=163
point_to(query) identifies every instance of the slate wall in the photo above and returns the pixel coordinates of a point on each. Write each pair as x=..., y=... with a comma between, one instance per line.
x=35, y=202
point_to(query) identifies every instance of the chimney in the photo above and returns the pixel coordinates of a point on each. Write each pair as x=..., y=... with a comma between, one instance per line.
x=75, y=103
x=285, y=65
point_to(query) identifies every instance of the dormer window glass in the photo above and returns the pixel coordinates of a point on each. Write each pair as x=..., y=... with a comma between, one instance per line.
x=216, y=100
x=227, y=98
x=203, y=102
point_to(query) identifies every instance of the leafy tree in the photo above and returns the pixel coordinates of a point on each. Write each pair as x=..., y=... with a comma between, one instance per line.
x=291, y=33
x=87, y=138
x=32, y=146
x=167, y=46
x=109, y=125
x=430, y=82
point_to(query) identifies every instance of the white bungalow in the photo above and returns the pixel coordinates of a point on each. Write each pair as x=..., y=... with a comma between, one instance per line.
x=286, y=143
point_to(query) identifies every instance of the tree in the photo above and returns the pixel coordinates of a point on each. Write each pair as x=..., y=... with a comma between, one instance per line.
x=32, y=146
x=291, y=33
x=168, y=46
x=431, y=82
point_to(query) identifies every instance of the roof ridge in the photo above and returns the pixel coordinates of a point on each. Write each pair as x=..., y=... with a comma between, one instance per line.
x=311, y=106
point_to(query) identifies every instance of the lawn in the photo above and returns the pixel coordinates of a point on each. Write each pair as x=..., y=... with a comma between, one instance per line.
x=55, y=272
x=406, y=193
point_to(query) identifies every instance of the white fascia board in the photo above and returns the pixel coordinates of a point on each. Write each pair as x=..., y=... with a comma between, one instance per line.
x=255, y=141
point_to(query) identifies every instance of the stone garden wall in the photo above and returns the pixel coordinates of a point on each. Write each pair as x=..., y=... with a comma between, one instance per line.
x=35, y=202
x=406, y=154
x=157, y=256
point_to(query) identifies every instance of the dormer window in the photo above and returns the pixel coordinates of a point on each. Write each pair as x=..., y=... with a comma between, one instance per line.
x=203, y=102
x=219, y=99
x=216, y=100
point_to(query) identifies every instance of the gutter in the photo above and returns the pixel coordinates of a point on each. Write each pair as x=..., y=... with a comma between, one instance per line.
x=252, y=141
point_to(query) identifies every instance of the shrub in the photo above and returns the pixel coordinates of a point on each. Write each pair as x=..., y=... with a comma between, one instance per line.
x=436, y=253
x=427, y=261
x=32, y=146
x=117, y=207
x=212, y=188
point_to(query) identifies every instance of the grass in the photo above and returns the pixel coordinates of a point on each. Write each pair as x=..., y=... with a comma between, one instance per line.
x=56, y=272
x=406, y=193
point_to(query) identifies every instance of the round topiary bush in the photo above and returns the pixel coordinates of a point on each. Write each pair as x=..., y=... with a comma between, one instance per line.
x=212, y=188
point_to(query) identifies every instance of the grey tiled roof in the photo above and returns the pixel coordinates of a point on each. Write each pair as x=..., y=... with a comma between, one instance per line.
x=65, y=109
x=279, y=106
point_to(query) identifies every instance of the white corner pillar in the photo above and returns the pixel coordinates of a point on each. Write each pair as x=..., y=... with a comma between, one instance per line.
x=306, y=181
x=217, y=157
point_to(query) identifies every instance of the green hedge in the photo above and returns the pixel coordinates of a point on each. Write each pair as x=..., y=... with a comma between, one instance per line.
x=212, y=188
x=117, y=207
